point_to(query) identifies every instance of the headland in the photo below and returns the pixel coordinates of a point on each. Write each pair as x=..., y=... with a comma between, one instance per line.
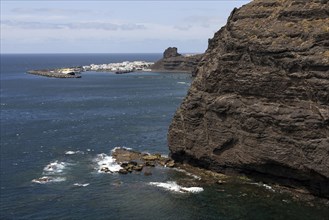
x=259, y=104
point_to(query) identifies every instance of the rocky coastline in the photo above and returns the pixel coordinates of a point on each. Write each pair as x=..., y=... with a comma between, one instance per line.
x=259, y=104
x=172, y=62
x=135, y=162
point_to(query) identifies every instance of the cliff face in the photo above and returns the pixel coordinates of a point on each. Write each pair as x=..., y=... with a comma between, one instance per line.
x=260, y=101
x=173, y=61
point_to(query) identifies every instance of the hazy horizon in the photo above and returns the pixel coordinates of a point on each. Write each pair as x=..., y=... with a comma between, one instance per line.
x=48, y=27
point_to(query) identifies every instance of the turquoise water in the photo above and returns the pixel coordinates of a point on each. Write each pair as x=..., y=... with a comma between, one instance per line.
x=73, y=122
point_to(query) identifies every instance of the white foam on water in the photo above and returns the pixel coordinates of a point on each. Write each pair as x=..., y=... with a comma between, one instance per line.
x=55, y=167
x=58, y=179
x=173, y=186
x=183, y=83
x=106, y=162
x=187, y=173
x=118, y=148
x=53, y=172
x=70, y=152
x=81, y=184
x=48, y=179
x=268, y=187
x=73, y=152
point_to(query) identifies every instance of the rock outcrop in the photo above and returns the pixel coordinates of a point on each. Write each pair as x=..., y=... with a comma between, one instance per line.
x=260, y=102
x=172, y=61
x=171, y=52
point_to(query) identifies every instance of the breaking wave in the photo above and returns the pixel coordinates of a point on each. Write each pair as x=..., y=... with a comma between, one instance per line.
x=55, y=167
x=173, y=186
x=48, y=179
x=52, y=172
x=187, y=173
x=106, y=164
x=74, y=152
x=81, y=184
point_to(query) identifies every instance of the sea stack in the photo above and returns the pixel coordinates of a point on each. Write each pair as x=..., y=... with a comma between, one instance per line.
x=259, y=104
x=172, y=61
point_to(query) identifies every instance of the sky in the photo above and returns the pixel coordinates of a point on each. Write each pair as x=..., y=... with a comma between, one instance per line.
x=58, y=26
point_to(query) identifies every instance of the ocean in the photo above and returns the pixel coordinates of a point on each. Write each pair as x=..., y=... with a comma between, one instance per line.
x=64, y=129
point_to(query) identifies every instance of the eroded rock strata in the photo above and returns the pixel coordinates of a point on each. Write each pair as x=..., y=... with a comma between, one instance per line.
x=172, y=61
x=260, y=101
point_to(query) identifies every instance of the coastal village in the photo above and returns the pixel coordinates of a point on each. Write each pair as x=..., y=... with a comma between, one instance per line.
x=75, y=72
x=124, y=67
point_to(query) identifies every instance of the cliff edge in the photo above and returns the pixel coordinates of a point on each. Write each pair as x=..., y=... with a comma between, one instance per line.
x=260, y=101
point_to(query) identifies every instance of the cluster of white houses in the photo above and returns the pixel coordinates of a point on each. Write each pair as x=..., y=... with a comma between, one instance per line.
x=74, y=72
x=123, y=67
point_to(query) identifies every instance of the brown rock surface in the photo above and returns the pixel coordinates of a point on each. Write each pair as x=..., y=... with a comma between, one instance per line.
x=131, y=160
x=260, y=101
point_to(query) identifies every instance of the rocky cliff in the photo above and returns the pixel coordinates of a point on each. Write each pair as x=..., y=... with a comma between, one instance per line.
x=172, y=61
x=260, y=102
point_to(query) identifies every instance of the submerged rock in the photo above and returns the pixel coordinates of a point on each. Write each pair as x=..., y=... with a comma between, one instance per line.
x=150, y=157
x=260, y=101
x=123, y=171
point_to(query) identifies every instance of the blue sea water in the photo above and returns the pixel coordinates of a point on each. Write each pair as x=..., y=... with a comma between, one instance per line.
x=75, y=123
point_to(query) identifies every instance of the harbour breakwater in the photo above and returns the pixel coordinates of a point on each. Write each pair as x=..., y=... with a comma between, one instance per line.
x=56, y=73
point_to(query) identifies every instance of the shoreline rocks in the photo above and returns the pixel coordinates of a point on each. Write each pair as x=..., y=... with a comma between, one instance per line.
x=259, y=104
x=135, y=162
x=131, y=161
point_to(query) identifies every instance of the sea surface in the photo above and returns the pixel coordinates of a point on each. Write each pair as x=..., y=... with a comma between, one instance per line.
x=65, y=129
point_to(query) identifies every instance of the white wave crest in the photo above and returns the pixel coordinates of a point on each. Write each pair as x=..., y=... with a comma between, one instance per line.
x=53, y=172
x=118, y=148
x=81, y=184
x=184, y=83
x=268, y=187
x=48, y=179
x=73, y=152
x=173, y=186
x=106, y=164
x=187, y=173
x=55, y=167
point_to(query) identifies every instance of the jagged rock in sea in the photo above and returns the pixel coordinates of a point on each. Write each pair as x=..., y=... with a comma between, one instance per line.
x=172, y=61
x=171, y=52
x=260, y=101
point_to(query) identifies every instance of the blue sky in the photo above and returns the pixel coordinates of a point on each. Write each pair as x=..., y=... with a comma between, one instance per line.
x=110, y=26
